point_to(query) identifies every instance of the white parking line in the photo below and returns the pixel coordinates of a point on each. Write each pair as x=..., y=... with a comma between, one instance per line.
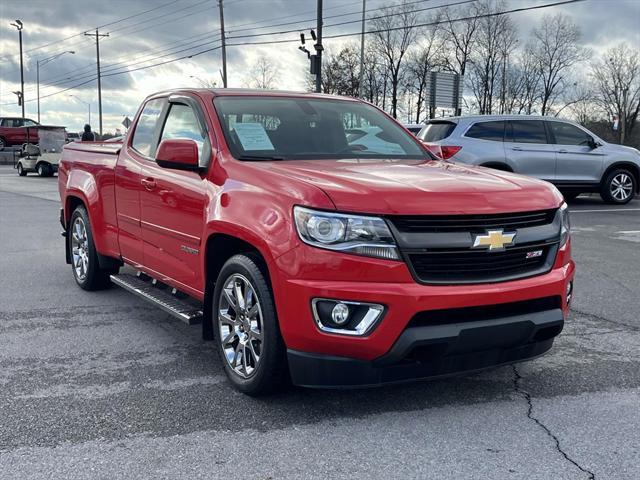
x=607, y=210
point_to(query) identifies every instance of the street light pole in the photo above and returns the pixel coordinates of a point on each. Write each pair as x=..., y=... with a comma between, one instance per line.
x=43, y=62
x=88, y=104
x=19, y=26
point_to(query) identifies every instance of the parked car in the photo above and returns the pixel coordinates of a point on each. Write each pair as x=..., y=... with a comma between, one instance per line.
x=559, y=151
x=310, y=255
x=414, y=127
x=17, y=130
x=72, y=137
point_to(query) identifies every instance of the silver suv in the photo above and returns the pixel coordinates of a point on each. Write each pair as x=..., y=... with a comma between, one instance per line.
x=561, y=152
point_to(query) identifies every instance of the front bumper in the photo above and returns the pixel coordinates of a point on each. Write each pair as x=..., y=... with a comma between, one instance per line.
x=484, y=331
x=433, y=351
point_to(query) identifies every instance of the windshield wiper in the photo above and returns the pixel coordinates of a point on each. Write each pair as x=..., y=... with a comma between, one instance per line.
x=260, y=157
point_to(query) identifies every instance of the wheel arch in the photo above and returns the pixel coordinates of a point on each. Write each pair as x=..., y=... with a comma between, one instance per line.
x=632, y=167
x=502, y=166
x=219, y=247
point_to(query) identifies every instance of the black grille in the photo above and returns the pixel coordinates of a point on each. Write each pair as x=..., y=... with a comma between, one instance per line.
x=472, y=223
x=477, y=266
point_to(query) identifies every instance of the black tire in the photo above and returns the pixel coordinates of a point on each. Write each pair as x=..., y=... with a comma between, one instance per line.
x=46, y=169
x=3, y=144
x=95, y=278
x=570, y=196
x=613, y=178
x=271, y=371
x=21, y=171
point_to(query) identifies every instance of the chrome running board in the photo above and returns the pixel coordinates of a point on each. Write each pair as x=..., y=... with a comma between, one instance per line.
x=149, y=291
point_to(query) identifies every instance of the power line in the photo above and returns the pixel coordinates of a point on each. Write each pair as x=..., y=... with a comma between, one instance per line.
x=79, y=34
x=191, y=55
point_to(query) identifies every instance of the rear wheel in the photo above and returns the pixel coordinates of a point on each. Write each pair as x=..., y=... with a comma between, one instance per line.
x=618, y=187
x=43, y=170
x=21, y=171
x=3, y=144
x=246, y=328
x=84, y=257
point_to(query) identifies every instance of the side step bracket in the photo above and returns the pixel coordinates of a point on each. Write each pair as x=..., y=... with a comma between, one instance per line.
x=179, y=308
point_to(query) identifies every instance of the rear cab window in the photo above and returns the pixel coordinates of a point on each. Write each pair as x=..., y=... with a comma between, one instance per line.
x=435, y=131
x=493, y=131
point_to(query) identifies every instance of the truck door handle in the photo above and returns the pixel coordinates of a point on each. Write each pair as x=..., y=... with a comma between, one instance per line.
x=563, y=151
x=519, y=149
x=148, y=183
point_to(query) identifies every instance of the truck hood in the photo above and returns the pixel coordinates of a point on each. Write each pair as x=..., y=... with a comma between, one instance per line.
x=420, y=187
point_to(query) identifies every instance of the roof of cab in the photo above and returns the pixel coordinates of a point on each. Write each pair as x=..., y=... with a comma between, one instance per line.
x=227, y=92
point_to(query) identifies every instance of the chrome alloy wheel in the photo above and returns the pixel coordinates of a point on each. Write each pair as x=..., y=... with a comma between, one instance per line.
x=621, y=186
x=240, y=325
x=80, y=248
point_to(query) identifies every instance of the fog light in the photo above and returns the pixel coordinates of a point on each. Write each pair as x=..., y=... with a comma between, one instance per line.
x=340, y=314
x=346, y=317
x=569, y=291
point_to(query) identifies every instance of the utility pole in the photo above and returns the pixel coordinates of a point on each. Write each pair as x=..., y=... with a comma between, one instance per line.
x=19, y=26
x=223, y=45
x=361, y=79
x=98, y=35
x=318, y=47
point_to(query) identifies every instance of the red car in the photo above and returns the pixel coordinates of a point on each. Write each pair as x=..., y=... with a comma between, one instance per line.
x=311, y=256
x=16, y=131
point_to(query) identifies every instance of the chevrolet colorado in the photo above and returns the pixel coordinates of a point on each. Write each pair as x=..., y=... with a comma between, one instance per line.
x=317, y=240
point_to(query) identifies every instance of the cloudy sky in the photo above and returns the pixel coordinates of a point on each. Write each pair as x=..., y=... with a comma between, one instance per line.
x=148, y=32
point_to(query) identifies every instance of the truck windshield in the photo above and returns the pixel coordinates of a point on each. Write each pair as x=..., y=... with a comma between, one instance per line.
x=294, y=128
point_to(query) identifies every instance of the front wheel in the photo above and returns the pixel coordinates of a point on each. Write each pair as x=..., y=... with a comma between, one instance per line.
x=21, y=171
x=246, y=328
x=84, y=257
x=618, y=187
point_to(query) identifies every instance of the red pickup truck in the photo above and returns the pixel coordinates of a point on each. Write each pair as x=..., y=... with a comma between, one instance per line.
x=316, y=239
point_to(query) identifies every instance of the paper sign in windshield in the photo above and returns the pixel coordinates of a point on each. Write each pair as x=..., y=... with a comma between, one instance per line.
x=253, y=136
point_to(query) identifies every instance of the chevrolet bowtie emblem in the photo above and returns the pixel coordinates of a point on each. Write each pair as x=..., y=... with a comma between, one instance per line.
x=494, y=240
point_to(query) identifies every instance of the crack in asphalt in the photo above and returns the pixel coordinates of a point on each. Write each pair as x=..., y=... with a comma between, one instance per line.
x=604, y=319
x=527, y=396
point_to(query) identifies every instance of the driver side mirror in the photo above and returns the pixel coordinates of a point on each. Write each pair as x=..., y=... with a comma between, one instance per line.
x=179, y=154
x=593, y=144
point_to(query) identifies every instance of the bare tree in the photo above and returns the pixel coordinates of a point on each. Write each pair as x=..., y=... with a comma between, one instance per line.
x=459, y=36
x=263, y=75
x=340, y=74
x=396, y=31
x=555, y=50
x=374, y=77
x=427, y=56
x=616, y=77
x=496, y=38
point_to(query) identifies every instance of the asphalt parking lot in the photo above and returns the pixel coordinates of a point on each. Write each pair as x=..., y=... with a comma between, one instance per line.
x=101, y=385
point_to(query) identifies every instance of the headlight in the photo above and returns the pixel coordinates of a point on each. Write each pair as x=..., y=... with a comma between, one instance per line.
x=357, y=234
x=566, y=224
